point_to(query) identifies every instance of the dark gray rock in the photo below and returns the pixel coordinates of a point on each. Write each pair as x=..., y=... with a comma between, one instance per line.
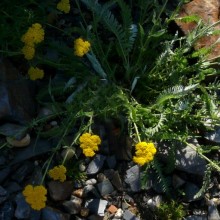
x=21, y=172
x=13, y=130
x=187, y=159
x=60, y=191
x=213, y=213
x=17, y=94
x=105, y=187
x=213, y=136
x=133, y=178
x=7, y=211
x=73, y=206
x=49, y=213
x=13, y=187
x=190, y=190
x=196, y=217
x=129, y=216
x=90, y=190
x=96, y=206
x=116, y=180
x=36, y=148
x=3, y=194
x=111, y=161
x=4, y=173
x=96, y=164
x=23, y=209
x=2, y=160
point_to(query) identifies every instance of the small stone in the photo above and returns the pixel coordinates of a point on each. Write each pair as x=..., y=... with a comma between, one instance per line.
x=84, y=212
x=96, y=206
x=96, y=164
x=116, y=181
x=25, y=141
x=129, y=216
x=213, y=213
x=105, y=187
x=73, y=206
x=3, y=194
x=78, y=193
x=90, y=189
x=91, y=181
x=44, y=112
x=119, y=213
x=112, y=209
x=7, y=211
x=68, y=153
x=82, y=167
x=23, y=209
x=154, y=202
x=53, y=123
x=60, y=191
x=101, y=177
x=177, y=181
x=133, y=178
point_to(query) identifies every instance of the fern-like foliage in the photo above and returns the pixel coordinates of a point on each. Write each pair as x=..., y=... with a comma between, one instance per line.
x=152, y=130
x=161, y=178
x=126, y=33
x=205, y=183
x=175, y=92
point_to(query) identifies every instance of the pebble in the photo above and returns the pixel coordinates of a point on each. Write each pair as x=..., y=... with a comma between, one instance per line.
x=68, y=153
x=96, y=206
x=60, y=191
x=96, y=164
x=73, y=206
x=105, y=187
x=133, y=178
x=91, y=181
x=119, y=213
x=25, y=141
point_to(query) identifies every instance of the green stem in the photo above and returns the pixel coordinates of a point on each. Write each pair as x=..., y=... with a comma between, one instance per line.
x=214, y=165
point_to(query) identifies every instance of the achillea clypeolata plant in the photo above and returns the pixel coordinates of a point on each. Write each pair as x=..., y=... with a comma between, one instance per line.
x=144, y=153
x=64, y=6
x=81, y=47
x=58, y=173
x=89, y=144
x=35, y=73
x=33, y=36
x=35, y=196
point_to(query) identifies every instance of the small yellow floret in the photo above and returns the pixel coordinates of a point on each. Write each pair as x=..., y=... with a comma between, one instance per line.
x=64, y=6
x=35, y=73
x=58, y=173
x=89, y=144
x=81, y=47
x=35, y=196
x=28, y=51
x=145, y=152
x=34, y=35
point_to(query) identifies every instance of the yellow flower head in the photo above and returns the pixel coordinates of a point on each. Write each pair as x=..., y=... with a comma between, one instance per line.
x=35, y=196
x=58, y=173
x=35, y=73
x=64, y=6
x=81, y=47
x=145, y=152
x=34, y=35
x=28, y=51
x=89, y=144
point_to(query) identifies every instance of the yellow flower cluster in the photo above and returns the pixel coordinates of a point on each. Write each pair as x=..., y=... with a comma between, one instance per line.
x=81, y=47
x=58, y=173
x=89, y=144
x=33, y=36
x=144, y=152
x=35, y=196
x=64, y=6
x=35, y=73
